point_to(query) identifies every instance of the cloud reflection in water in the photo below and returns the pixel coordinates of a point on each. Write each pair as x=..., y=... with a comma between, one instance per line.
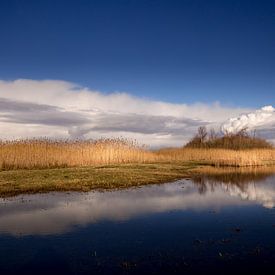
x=56, y=213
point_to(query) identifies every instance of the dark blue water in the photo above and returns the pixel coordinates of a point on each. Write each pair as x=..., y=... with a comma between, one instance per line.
x=208, y=225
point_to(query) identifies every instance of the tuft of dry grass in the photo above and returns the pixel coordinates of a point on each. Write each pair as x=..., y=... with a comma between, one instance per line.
x=43, y=153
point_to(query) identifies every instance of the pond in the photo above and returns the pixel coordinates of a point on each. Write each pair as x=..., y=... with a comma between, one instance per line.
x=218, y=222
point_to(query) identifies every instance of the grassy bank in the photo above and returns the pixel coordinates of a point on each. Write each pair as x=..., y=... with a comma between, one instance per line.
x=111, y=177
x=14, y=182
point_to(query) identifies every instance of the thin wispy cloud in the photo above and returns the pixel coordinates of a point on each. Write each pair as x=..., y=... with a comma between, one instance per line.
x=31, y=108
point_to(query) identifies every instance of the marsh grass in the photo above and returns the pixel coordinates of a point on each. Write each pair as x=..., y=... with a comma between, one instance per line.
x=43, y=153
x=104, y=177
x=220, y=157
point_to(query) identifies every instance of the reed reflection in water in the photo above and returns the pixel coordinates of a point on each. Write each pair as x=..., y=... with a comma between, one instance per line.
x=213, y=189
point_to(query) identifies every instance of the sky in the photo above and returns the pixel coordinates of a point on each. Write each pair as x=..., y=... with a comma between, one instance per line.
x=150, y=70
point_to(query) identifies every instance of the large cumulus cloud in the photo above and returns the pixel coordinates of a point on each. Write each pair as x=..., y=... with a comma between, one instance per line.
x=31, y=108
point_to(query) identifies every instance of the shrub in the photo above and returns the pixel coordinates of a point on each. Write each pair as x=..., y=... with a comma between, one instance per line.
x=237, y=141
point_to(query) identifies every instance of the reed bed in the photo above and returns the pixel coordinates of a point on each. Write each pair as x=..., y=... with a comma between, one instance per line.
x=43, y=153
x=29, y=154
x=221, y=157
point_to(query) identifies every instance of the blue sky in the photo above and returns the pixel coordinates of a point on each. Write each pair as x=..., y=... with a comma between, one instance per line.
x=149, y=70
x=174, y=51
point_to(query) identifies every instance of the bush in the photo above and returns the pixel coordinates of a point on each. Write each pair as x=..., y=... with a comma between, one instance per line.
x=236, y=141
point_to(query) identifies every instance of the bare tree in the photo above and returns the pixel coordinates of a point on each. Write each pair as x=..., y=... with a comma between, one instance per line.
x=202, y=134
x=212, y=135
x=243, y=132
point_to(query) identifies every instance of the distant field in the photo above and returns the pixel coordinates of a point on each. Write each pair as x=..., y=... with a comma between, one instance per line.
x=38, y=154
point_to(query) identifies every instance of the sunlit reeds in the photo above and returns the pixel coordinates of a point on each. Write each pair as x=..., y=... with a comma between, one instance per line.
x=43, y=153
x=220, y=157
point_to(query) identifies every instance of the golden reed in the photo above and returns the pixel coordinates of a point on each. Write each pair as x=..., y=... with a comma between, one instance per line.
x=221, y=157
x=43, y=153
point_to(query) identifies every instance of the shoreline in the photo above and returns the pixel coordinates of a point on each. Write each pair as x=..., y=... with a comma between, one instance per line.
x=109, y=177
x=84, y=179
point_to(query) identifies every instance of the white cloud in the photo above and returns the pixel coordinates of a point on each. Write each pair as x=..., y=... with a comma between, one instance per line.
x=261, y=117
x=30, y=108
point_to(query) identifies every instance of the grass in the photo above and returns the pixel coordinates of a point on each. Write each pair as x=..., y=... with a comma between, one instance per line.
x=14, y=182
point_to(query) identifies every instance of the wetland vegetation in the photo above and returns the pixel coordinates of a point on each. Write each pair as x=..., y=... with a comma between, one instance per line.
x=42, y=165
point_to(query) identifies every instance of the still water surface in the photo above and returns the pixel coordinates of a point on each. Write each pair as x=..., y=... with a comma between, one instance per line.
x=220, y=223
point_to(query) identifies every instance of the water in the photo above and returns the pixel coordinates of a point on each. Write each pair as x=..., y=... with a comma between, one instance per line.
x=213, y=223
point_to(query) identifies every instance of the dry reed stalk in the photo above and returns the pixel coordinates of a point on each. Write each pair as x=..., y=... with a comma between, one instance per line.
x=43, y=153
x=221, y=157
